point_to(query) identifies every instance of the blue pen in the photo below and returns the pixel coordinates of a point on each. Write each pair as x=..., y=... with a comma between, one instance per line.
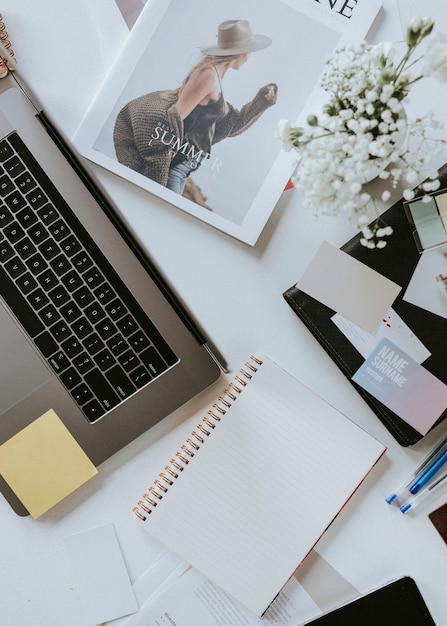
x=423, y=493
x=431, y=470
x=429, y=460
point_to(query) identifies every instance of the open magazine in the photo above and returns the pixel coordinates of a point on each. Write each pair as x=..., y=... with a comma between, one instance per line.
x=190, y=107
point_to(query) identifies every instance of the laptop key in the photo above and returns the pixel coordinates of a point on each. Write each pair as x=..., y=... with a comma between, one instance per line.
x=61, y=265
x=6, y=186
x=49, y=249
x=70, y=312
x=117, y=344
x=115, y=309
x=13, y=232
x=6, y=251
x=60, y=330
x=93, y=344
x=38, y=299
x=102, y=389
x=36, y=264
x=82, y=262
x=153, y=361
x=120, y=382
x=13, y=167
x=71, y=347
x=36, y=198
x=26, y=283
x=140, y=377
x=129, y=360
x=81, y=394
x=138, y=341
x=46, y=344
x=59, y=362
x=93, y=410
x=104, y=360
x=25, y=182
x=82, y=327
x=22, y=310
x=49, y=315
x=48, y=214
x=37, y=233
x=59, y=295
x=83, y=363
x=26, y=217
x=5, y=216
x=48, y=280
x=127, y=325
x=70, y=378
x=15, y=267
x=6, y=151
x=25, y=248
x=15, y=201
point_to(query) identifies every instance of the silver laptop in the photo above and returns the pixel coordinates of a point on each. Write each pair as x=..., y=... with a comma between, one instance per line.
x=88, y=326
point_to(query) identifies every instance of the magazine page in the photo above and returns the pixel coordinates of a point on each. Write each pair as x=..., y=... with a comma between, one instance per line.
x=342, y=15
x=193, y=600
x=190, y=114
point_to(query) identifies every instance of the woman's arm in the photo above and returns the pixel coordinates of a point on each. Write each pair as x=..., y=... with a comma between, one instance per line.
x=237, y=121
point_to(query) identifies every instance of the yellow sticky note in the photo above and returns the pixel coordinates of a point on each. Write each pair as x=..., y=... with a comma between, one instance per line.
x=43, y=464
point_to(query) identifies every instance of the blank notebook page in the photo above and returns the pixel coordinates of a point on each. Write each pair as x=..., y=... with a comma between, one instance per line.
x=264, y=486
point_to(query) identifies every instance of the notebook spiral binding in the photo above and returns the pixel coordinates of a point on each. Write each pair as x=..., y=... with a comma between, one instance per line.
x=193, y=443
x=5, y=65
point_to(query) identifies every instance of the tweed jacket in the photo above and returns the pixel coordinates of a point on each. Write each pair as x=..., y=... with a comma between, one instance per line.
x=143, y=121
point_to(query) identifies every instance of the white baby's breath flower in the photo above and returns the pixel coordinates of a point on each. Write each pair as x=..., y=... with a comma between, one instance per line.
x=363, y=127
x=411, y=177
x=416, y=23
x=283, y=129
x=408, y=194
x=363, y=220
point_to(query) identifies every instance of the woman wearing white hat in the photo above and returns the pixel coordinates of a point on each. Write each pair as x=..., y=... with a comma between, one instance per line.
x=165, y=135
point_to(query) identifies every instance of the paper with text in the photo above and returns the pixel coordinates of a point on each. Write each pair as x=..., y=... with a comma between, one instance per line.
x=193, y=600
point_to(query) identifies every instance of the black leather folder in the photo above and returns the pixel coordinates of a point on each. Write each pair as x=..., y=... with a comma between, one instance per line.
x=397, y=261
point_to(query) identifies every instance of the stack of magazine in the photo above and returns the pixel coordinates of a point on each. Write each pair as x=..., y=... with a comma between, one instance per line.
x=190, y=108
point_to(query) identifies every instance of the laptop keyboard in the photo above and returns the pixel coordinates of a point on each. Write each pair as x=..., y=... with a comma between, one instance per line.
x=64, y=292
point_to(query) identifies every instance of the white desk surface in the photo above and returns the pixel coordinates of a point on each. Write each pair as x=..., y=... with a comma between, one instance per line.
x=236, y=293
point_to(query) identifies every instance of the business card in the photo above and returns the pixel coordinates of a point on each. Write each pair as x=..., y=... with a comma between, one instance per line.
x=348, y=287
x=403, y=385
x=100, y=573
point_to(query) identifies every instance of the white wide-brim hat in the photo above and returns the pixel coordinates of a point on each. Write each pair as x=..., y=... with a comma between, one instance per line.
x=235, y=37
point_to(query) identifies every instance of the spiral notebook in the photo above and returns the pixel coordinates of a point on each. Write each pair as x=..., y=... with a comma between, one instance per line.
x=252, y=489
x=4, y=40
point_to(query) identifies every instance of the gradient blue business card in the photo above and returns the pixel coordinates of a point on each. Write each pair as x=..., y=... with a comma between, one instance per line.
x=400, y=383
